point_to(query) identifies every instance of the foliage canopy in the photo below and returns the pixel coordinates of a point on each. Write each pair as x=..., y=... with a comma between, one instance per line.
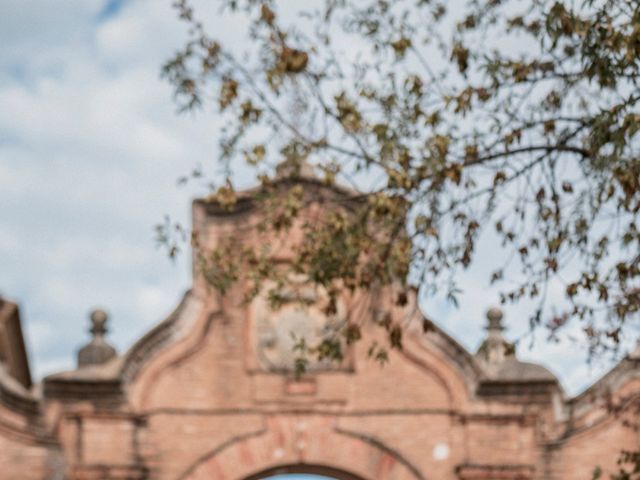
x=516, y=117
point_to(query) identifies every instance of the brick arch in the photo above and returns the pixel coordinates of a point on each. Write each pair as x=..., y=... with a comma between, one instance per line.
x=302, y=445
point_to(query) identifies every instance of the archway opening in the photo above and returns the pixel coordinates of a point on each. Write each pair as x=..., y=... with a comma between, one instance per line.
x=304, y=472
x=298, y=476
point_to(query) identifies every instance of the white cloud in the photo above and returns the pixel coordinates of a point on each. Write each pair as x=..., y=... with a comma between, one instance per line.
x=89, y=156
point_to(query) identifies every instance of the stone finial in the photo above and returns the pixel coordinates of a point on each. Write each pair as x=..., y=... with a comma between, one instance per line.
x=97, y=351
x=294, y=168
x=494, y=315
x=495, y=348
x=98, y=322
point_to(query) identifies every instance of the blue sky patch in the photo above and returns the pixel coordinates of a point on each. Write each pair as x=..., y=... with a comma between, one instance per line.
x=111, y=8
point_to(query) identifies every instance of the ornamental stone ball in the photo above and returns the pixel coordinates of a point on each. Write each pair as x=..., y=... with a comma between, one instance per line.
x=98, y=321
x=495, y=348
x=97, y=351
x=495, y=315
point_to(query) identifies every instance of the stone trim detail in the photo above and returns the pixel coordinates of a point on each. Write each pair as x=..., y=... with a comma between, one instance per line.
x=495, y=472
x=247, y=200
x=105, y=391
x=112, y=472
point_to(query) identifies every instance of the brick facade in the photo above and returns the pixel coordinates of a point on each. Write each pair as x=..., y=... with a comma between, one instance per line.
x=198, y=397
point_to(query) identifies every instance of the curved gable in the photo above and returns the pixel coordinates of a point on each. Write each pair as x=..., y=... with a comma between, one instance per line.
x=208, y=393
x=189, y=360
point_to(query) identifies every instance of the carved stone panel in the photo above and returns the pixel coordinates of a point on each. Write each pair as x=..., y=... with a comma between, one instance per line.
x=299, y=317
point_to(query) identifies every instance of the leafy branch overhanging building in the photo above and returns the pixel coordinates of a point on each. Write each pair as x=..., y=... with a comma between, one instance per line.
x=203, y=395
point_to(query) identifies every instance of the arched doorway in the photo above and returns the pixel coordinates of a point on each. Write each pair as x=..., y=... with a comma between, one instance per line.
x=303, y=472
x=298, y=476
x=292, y=444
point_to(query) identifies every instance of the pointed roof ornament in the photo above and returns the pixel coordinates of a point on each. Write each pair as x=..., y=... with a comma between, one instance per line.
x=495, y=348
x=498, y=356
x=295, y=167
x=495, y=315
x=97, y=351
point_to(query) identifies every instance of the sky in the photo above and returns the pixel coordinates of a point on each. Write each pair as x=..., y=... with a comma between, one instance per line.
x=91, y=148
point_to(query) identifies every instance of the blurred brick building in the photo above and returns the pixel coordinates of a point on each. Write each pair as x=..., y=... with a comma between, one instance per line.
x=208, y=393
